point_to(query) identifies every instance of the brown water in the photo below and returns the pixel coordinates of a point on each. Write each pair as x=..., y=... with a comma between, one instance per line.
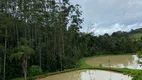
x=88, y=75
x=118, y=61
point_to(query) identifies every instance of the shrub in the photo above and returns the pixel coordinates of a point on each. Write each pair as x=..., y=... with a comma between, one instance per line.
x=139, y=54
x=34, y=70
x=137, y=76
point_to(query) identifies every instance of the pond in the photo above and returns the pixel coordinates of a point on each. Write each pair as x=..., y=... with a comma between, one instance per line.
x=116, y=61
x=88, y=75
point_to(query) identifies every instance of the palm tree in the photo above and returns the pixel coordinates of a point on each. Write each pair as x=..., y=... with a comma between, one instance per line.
x=22, y=53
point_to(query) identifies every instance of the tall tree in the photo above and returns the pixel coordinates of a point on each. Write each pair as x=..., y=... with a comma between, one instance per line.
x=24, y=53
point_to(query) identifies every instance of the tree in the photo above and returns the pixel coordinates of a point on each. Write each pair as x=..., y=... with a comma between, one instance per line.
x=5, y=50
x=5, y=22
x=24, y=53
x=1, y=51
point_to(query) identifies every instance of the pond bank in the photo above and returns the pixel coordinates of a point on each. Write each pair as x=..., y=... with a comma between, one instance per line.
x=131, y=72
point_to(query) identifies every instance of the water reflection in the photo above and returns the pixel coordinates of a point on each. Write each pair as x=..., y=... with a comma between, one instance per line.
x=103, y=75
x=118, y=61
x=88, y=75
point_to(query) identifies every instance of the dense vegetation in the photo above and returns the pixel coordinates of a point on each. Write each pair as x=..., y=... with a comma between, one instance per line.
x=46, y=33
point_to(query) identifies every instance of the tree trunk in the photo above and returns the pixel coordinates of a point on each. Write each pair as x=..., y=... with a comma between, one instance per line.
x=0, y=65
x=25, y=35
x=17, y=34
x=24, y=65
x=61, y=52
x=25, y=76
x=5, y=53
x=62, y=48
x=35, y=35
x=61, y=40
x=40, y=51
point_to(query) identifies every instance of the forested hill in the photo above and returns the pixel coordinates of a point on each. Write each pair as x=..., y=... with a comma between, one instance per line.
x=136, y=34
x=139, y=30
x=133, y=34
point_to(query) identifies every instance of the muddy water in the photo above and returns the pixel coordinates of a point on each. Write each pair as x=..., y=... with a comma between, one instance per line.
x=88, y=75
x=118, y=61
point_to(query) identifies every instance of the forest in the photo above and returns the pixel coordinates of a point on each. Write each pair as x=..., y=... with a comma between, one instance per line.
x=46, y=34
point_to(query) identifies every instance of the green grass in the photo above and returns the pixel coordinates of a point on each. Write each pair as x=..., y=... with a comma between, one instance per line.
x=18, y=79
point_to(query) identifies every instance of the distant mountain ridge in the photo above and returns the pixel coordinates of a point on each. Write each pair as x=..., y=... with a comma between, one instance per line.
x=133, y=34
x=139, y=30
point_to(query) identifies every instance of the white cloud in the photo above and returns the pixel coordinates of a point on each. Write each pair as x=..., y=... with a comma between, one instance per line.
x=115, y=27
x=111, y=15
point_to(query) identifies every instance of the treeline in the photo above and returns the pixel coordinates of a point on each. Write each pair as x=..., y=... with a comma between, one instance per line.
x=46, y=33
x=127, y=34
x=50, y=28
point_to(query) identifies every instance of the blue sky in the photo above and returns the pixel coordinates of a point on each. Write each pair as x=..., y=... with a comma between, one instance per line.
x=108, y=16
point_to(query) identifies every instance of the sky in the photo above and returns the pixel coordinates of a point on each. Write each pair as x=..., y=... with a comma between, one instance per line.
x=108, y=16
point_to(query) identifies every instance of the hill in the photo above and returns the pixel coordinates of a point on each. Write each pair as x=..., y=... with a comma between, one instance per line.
x=136, y=36
x=133, y=34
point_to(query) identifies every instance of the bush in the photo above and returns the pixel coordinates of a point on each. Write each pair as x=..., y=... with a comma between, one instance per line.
x=34, y=70
x=137, y=76
x=139, y=54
